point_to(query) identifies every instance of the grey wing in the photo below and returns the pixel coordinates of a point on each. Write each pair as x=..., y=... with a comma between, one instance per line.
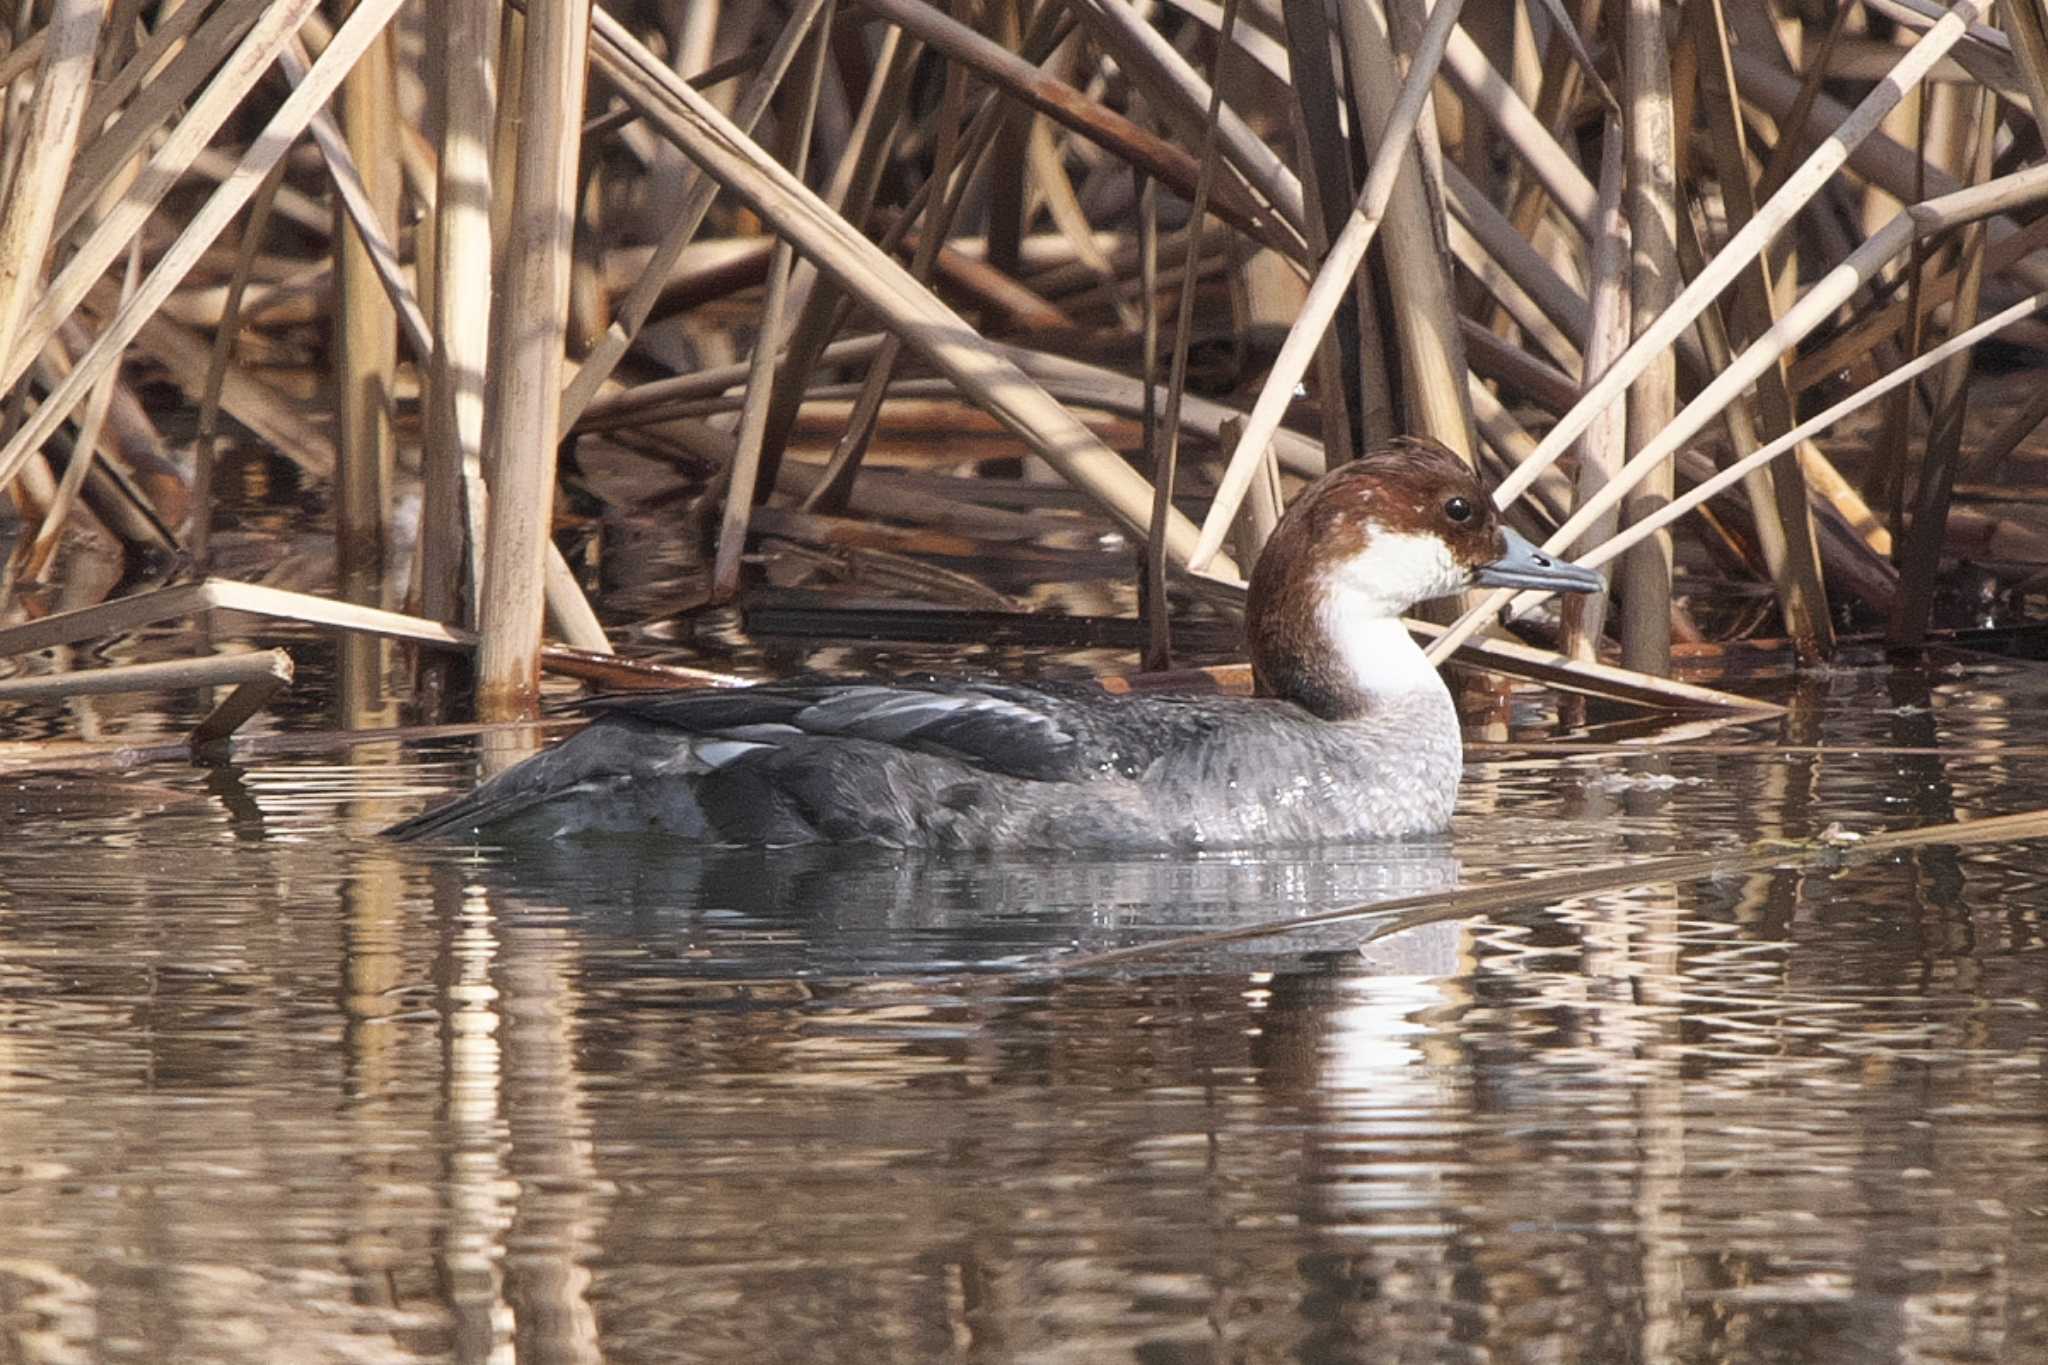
x=767, y=764
x=604, y=762
x=1042, y=733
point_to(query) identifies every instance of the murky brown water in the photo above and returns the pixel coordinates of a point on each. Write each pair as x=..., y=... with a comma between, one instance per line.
x=276, y=1091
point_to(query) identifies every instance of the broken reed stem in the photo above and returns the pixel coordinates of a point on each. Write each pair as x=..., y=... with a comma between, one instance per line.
x=174, y=675
x=1424, y=321
x=1168, y=463
x=835, y=489
x=249, y=62
x=1779, y=496
x=1820, y=422
x=83, y=451
x=1181, y=97
x=939, y=334
x=1921, y=554
x=1152, y=598
x=291, y=118
x=700, y=189
x=525, y=395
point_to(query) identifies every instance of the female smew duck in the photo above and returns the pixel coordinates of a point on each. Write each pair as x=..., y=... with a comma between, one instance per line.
x=1352, y=735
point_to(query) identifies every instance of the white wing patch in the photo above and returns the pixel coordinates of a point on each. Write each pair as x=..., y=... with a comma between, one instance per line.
x=716, y=753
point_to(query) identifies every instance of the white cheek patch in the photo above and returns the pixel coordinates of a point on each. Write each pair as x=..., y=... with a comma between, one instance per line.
x=1397, y=569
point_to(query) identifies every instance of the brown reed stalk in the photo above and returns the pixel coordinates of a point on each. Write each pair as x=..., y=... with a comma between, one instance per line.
x=1423, y=322
x=800, y=113
x=699, y=189
x=246, y=64
x=33, y=553
x=1332, y=281
x=1172, y=164
x=832, y=492
x=199, y=534
x=937, y=333
x=49, y=142
x=366, y=347
x=1348, y=370
x=1652, y=201
x=1166, y=461
x=1604, y=447
x=155, y=100
x=1920, y=556
x=1152, y=602
x=525, y=395
x=1778, y=500
x=290, y=118
x=462, y=55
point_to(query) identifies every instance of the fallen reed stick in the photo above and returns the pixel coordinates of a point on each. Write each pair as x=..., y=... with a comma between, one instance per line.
x=255, y=678
x=746, y=463
x=211, y=670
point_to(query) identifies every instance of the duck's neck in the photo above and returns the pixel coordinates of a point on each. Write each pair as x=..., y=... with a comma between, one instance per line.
x=1379, y=663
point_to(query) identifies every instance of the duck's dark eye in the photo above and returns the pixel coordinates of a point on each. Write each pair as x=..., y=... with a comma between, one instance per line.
x=1459, y=510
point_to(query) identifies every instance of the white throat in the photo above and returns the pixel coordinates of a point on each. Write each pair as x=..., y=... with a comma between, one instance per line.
x=1362, y=604
x=1378, y=655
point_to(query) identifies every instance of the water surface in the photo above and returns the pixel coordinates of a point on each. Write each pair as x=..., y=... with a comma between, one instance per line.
x=275, y=1090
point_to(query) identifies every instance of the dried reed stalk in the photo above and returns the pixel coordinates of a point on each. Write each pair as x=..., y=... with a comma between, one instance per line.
x=1604, y=447
x=366, y=346
x=199, y=535
x=746, y=464
x=49, y=143
x=1920, y=557
x=1996, y=196
x=1652, y=202
x=452, y=497
x=524, y=400
x=291, y=118
x=1327, y=291
x=1748, y=242
x=231, y=83
x=1779, y=497
x=928, y=325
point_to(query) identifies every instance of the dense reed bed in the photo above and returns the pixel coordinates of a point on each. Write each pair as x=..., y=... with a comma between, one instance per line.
x=1111, y=266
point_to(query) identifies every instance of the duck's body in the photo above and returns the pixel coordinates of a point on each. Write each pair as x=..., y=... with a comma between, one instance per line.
x=1354, y=738
x=971, y=765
